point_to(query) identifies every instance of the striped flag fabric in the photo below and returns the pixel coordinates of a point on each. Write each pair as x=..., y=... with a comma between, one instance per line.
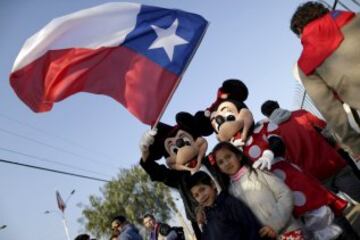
x=134, y=53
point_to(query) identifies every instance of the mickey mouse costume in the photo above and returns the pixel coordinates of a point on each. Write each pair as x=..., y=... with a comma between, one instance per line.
x=184, y=149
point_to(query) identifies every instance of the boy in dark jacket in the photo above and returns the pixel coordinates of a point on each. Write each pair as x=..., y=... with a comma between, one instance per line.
x=226, y=216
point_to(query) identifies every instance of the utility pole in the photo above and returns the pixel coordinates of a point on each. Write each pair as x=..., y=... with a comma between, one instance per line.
x=181, y=218
x=62, y=206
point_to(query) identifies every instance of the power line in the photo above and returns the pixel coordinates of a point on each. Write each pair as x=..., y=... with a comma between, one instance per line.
x=54, y=170
x=13, y=120
x=335, y=4
x=50, y=146
x=49, y=161
x=356, y=2
x=303, y=101
x=325, y=3
x=309, y=105
x=343, y=5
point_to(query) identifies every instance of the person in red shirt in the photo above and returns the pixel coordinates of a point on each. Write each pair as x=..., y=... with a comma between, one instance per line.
x=308, y=148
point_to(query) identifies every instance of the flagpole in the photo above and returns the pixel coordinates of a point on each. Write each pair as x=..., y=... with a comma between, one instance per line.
x=166, y=103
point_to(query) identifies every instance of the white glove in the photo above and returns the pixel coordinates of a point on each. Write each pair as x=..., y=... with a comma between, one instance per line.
x=239, y=143
x=265, y=161
x=147, y=139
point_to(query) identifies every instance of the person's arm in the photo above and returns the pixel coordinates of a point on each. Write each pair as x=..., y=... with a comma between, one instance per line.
x=282, y=211
x=276, y=145
x=315, y=121
x=202, y=145
x=243, y=216
x=268, y=157
x=332, y=110
x=161, y=173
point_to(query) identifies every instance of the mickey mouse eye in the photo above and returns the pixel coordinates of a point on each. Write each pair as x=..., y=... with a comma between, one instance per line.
x=187, y=141
x=229, y=116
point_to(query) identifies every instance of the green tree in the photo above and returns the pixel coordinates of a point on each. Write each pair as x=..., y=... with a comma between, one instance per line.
x=131, y=194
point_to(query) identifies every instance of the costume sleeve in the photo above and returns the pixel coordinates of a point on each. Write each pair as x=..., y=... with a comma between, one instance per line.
x=282, y=211
x=331, y=108
x=161, y=173
x=276, y=145
x=172, y=235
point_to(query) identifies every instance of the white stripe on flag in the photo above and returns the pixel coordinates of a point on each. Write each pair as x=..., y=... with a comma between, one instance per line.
x=106, y=25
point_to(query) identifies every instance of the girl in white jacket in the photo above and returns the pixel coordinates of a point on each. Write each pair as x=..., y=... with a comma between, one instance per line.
x=266, y=195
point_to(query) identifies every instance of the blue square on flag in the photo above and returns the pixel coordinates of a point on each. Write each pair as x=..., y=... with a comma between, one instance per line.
x=166, y=36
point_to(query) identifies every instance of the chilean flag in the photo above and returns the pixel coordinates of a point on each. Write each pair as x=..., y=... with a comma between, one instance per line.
x=133, y=53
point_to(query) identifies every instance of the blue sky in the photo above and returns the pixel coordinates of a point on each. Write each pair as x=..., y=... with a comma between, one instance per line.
x=94, y=135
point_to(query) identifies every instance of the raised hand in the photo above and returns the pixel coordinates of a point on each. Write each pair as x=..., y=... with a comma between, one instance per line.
x=146, y=140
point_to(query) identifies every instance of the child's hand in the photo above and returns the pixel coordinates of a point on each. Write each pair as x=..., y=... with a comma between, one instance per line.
x=267, y=232
x=200, y=216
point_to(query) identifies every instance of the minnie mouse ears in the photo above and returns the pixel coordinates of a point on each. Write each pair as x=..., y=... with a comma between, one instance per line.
x=234, y=89
x=231, y=90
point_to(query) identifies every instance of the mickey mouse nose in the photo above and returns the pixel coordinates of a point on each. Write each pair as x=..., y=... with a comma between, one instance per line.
x=180, y=142
x=219, y=120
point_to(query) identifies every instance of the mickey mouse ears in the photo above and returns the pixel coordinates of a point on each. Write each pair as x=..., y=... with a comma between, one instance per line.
x=157, y=149
x=195, y=125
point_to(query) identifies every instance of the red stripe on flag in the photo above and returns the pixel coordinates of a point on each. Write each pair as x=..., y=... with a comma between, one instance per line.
x=141, y=85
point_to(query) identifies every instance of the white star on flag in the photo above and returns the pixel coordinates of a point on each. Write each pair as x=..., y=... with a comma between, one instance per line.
x=167, y=39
